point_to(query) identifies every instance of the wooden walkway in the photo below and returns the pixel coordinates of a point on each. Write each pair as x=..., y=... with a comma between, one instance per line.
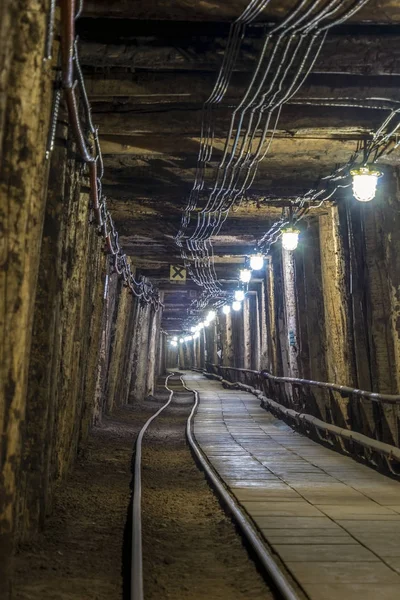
x=334, y=523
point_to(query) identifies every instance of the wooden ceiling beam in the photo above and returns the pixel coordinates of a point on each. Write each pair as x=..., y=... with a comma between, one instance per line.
x=363, y=54
x=376, y=11
x=119, y=89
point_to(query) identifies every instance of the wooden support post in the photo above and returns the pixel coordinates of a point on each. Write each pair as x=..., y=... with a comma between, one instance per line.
x=25, y=104
x=290, y=310
x=335, y=281
x=271, y=319
x=140, y=355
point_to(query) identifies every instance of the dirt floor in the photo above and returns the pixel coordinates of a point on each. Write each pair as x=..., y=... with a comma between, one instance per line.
x=191, y=548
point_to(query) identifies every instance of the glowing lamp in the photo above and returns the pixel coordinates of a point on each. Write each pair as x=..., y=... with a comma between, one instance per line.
x=174, y=339
x=226, y=309
x=256, y=262
x=211, y=316
x=174, y=343
x=193, y=329
x=364, y=183
x=181, y=341
x=290, y=238
x=245, y=275
x=236, y=305
x=196, y=335
x=239, y=295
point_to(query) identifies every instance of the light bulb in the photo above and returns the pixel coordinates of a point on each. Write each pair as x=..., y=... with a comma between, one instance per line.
x=174, y=343
x=256, y=262
x=174, y=339
x=245, y=275
x=200, y=326
x=181, y=341
x=196, y=335
x=239, y=295
x=188, y=338
x=236, y=305
x=193, y=329
x=290, y=238
x=226, y=309
x=364, y=183
x=211, y=315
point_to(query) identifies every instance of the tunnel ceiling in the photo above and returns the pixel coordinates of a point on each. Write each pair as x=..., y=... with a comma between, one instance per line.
x=149, y=67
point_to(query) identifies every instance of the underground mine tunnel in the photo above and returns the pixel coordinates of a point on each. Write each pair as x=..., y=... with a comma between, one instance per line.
x=200, y=299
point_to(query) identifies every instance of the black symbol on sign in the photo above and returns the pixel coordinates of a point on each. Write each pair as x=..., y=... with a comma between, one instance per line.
x=178, y=272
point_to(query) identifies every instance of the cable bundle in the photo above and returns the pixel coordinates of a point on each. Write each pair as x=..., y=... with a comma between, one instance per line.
x=287, y=56
x=89, y=148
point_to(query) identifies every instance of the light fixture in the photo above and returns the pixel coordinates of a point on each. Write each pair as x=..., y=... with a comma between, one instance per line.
x=236, y=305
x=364, y=183
x=239, y=295
x=256, y=262
x=174, y=339
x=226, y=309
x=211, y=315
x=188, y=338
x=181, y=341
x=174, y=343
x=193, y=329
x=290, y=238
x=196, y=335
x=245, y=275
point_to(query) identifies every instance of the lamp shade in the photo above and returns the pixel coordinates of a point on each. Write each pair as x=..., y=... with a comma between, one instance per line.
x=245, y=275
x=365, y=181
x=290, y=238
x=256, y=262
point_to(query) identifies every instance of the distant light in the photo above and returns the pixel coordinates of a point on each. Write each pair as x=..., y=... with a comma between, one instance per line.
x=364, y=183
x=174, y=339
x=188, y=338
x=196, y=335
x=236, y=305
x=290, y=238
x=193, y=329
x=174, y=343
x=239, y=295
x=200, y=326
x=245, y=275
x=211, y=315
x=256, y=262
x=181, y=340
x=226, y=309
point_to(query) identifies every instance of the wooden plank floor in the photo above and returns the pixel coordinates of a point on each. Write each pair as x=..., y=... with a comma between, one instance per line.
x=334, y=523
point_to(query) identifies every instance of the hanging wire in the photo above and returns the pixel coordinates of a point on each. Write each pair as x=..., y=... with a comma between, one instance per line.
x=288, y=54
x=88, y=144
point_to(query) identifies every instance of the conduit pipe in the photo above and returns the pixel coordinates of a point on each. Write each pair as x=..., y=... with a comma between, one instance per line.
x=137, y=553
x=264, y=556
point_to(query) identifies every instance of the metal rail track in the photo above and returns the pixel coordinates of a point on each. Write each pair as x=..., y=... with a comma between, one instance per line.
x=283, y=587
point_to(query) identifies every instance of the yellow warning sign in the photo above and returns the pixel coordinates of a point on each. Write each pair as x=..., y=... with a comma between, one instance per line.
x=177, y=273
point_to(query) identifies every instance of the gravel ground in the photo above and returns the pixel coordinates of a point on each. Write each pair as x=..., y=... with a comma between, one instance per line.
x=191, y=548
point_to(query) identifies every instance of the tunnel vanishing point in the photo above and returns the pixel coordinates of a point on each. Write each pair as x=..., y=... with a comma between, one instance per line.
x=200, y=204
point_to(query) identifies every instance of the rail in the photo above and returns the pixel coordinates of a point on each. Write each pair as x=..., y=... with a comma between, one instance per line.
x=137, y=553
x=283, y=586
x=358, y=422
x=286, y=592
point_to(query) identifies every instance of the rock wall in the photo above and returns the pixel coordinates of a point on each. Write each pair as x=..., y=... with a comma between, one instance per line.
x=69, y=328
